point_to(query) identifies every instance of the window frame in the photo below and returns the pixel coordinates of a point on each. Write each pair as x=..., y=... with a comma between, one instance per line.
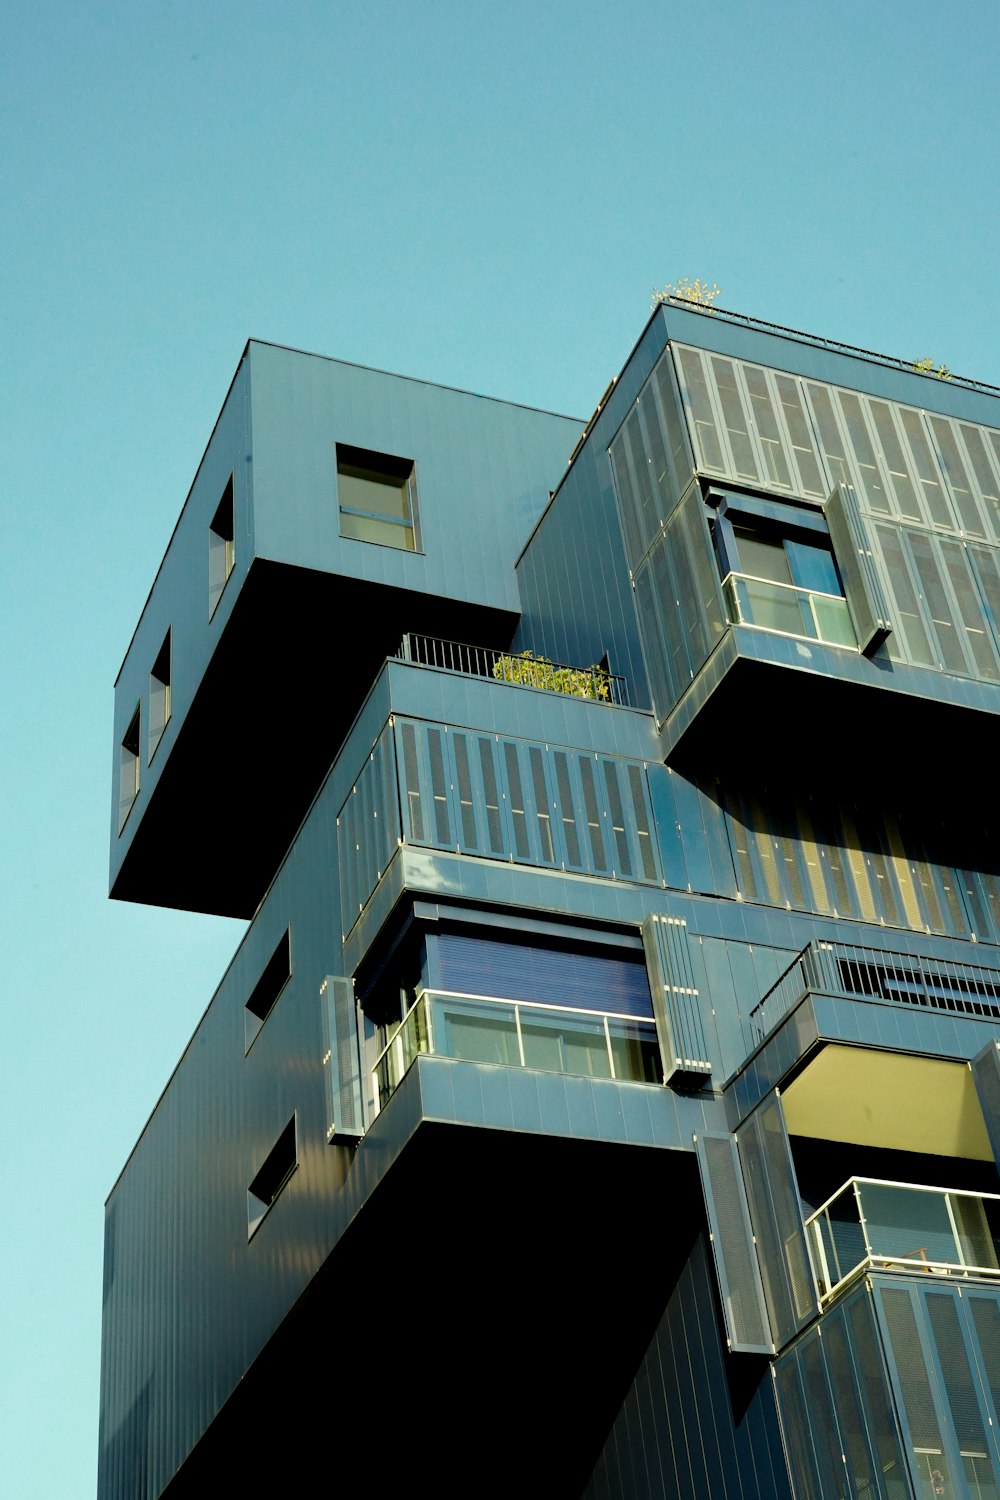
x=160, y=674
x=130, y=745
x=222, y=545
x=398, y=474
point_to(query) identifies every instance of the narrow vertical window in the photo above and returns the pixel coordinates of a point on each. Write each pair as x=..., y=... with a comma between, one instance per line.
x=277, y=972
x=128, y=768
x=277, y=1167
x=221, y=547
x=159, y=696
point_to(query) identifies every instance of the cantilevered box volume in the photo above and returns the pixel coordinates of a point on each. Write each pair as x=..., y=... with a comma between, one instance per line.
x=604, y=1099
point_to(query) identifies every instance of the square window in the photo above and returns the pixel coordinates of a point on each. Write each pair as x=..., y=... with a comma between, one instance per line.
x=265, y=993
x=128, y=768
x=278, y=1166
x=221, y=547
x=159, y=696
x=377, y=495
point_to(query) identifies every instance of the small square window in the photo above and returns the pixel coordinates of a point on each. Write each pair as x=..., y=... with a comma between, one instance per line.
x=278, y=1166
x=377, y=494
x=128, y=768
x=265, y=993
x=221, y=547
x=159, y=696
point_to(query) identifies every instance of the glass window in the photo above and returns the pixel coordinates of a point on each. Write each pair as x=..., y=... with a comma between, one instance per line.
x=128, y=768
x=377, y=494
x=159, y=696
x=221, y=547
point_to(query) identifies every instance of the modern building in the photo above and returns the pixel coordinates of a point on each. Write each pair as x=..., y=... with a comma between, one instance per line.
x=604, y=1100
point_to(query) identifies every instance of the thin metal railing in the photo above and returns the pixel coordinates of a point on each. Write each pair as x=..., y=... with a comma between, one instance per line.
x=862, y=973
x=814, y=615
x=870, y=356
x=523, y=670
x=423, y=1030
x=870, y=1223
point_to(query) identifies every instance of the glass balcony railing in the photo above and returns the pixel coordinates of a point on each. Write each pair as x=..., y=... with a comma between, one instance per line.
x=788, y=610
x=519, y=1034
x=883, y=1226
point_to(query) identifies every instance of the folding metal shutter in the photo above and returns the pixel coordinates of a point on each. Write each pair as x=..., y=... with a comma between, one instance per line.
x=865, y=596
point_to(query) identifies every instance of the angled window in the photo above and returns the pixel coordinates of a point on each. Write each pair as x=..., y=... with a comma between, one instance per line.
x=221, y=547
x=277, y=1167
x=159, y=696
x=377, y=495
x=269, y=986
x=128, y=768
x=779, y=571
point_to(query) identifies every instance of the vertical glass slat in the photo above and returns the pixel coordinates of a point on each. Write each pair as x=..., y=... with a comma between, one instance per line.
x=439, y=787
x=907, y=504
x=938, y=506
x=803, y=447
x=904, y=595
x=974, y=439
x=928, y=1458
x=735, y=418
x=872, y=486
x=491, y=793
x=515, y=801
x=593, y=811
x=677, y=441
x=628, y=500
x=411, y=782
x=663, y=487
x=769, y=434
x=567, y=810
x=643, y=480
x=976, y=627
x=543, y=813
x=832, y=442
x=951, y=653
x=954, y=468
x=623, y=860
x=707, y=443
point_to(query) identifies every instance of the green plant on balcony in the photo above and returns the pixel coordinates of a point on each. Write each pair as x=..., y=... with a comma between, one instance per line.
x=685, y=290
x=538, y=672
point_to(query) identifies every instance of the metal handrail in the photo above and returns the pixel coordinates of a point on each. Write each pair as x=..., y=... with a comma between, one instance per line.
x=881, y=976
x=592, y=683
x=776, y=583
x=572, y=1010
x=822, y=1236
x=910, y=1187
x=870, y=356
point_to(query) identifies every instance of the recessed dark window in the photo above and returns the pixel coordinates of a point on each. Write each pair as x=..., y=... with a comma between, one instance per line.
x=278, y=1166
x=267, y=989
x=221, y=547
x=159, y=696
x=128, y=768
x=377, y=495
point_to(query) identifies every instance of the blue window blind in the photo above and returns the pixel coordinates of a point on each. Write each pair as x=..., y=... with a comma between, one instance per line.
x=551, y=976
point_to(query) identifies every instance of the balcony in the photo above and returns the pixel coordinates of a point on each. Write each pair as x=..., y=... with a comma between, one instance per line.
x=524, y=669
x=788, y=610
x=892, y=1226
x=860, y=973
x=515, y=1034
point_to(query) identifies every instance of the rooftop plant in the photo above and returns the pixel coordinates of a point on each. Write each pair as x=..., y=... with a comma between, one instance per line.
x=685, y=290
x=926, y=367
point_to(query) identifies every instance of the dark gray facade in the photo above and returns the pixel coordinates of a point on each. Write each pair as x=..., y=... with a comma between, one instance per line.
x=609, y=1073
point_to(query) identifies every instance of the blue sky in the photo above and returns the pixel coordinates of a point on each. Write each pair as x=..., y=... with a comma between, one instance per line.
x=478, y=195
